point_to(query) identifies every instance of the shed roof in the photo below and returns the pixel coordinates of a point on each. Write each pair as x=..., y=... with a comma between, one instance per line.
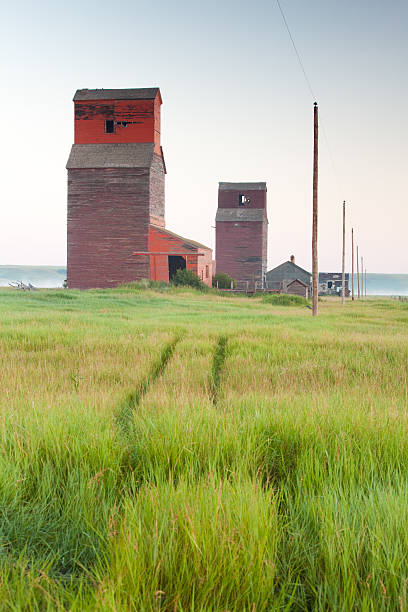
x=144, y=93
x=242, y=186
x=112, y=155
x=240, y=214
x=186, y=241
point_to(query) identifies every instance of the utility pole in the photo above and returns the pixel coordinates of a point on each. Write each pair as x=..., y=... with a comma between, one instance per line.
x=315, y=266
x=358, y=276
x=343, y=275
x=352, y=264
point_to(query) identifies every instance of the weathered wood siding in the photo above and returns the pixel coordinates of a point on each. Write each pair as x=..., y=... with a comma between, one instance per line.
x=239, y=250
x=161, y=241
x=142, y=117
x=108, y=219
x=157, y=194
x=228, y=198
x=242, y=243
x=205, y=266
x=297, y=288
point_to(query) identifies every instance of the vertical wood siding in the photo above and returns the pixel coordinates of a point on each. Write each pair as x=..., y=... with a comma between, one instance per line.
x=108, y=219
x=240, y=250
x=156, y=187
x=241, y=246
x=143, y=117
x=161, y=241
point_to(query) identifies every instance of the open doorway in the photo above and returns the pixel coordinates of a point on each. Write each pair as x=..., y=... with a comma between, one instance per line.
x=176, y=262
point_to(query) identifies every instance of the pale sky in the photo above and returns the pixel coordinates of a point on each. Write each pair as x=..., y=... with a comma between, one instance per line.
x=236, y=107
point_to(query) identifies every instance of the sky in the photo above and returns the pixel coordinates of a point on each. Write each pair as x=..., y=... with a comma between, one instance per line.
x=236, y=107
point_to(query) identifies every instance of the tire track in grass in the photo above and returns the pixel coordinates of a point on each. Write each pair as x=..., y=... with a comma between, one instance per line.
x=220, y=355
x=132, y=401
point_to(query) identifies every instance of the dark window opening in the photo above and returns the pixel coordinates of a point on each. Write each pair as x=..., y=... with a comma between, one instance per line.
x=176, y=262
x=109, y=126
x=330, y=284
x=242, y=200
x=126, y=123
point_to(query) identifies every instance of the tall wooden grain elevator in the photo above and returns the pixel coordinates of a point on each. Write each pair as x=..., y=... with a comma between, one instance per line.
x=115, y=223
x=242, y=231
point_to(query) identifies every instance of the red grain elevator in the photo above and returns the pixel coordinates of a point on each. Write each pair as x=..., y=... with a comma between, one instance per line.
x=242, y=231
x=116, y=202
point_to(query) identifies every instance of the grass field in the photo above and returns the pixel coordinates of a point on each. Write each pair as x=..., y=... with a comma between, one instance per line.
x=177, y=451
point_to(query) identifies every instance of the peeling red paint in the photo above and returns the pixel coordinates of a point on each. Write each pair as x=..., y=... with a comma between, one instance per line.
x=198, y=259
x=142, y=119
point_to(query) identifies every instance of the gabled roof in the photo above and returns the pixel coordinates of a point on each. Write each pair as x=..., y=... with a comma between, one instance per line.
x=189, y=243
x=242, y=186
x=294, y=267
x=144, y=93
x=111, y=155
x=297, y=280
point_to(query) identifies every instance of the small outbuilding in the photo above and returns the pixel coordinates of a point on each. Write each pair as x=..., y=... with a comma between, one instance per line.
x=278, y=278
x=169, y=252
x=330, y=283
x=297, y=287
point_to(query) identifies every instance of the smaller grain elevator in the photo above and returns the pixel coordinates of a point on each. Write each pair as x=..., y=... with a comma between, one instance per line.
x=242, y=231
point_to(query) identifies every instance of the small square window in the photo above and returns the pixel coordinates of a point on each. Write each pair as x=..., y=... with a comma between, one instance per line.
x=109, y=126
x=242, y=200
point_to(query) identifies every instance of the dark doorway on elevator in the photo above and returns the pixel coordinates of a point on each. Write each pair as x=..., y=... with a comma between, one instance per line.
x=176, y=262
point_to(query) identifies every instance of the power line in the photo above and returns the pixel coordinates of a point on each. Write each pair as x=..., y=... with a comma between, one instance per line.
x=336, y=176
x=312, y=93
x=296, y=51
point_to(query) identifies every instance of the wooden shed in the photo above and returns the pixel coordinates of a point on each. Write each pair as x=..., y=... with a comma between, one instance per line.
x=169, y=252
x=297, y=287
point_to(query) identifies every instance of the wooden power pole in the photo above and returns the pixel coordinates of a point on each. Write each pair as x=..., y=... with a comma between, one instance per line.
x=352, y=264
x=315, y=266
x=343, y=259
x=358, y=276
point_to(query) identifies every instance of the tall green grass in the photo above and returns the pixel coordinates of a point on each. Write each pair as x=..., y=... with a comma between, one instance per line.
x=183, y=451
x=284, y=299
